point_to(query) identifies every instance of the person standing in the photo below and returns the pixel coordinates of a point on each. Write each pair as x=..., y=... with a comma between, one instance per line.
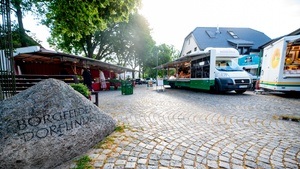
x=87, y=78
x=102, y=80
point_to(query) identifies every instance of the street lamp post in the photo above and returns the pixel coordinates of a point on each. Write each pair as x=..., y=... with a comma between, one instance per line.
x=156, y=67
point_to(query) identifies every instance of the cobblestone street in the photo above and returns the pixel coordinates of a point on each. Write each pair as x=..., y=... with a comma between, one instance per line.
x=188, y=129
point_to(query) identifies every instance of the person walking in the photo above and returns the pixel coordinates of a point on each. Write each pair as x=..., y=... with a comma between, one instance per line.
x=102, y=80
x=87, y=78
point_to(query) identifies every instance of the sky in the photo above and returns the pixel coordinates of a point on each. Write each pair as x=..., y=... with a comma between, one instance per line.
x=172, y=20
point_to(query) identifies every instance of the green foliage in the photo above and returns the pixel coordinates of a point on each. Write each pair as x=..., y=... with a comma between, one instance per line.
x=16, y=38
x=18, y=34
x=84, y=163
x=137, y=41
x=159, y=55
x=107, y=30
x=81, y=19
x=128, y=43
x=28, y=40
x=81, y=88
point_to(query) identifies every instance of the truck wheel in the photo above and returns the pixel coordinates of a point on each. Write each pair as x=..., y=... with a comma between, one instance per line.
x=217, y=88
x=172, y=85
x=240, y=91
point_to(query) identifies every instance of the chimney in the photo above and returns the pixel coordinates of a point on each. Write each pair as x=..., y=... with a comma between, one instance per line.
x=218, y=30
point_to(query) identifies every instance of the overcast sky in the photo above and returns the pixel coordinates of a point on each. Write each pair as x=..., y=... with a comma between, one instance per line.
x=172, y=20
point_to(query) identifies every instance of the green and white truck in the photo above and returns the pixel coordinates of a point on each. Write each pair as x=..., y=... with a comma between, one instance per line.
x=213, y=69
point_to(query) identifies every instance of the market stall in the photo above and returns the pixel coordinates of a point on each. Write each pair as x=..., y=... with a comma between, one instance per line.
x=35, y=60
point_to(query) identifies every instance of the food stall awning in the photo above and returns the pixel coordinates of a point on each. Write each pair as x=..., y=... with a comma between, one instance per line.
x=183, y=59
x=39, y=54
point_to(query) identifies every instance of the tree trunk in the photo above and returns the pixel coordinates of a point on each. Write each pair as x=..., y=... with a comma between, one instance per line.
x=20, y=22
x=89, y=46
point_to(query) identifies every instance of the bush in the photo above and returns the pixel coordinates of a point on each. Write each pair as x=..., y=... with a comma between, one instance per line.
x=81, y=88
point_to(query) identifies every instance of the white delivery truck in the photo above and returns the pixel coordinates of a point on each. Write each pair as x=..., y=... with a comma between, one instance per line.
x=213, y=69
x=280, y=69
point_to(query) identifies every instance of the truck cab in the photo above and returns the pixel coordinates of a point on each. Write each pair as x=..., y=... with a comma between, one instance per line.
x=230, y=76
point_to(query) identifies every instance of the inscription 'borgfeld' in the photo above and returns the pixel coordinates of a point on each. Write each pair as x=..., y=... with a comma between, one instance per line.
x=55, y=124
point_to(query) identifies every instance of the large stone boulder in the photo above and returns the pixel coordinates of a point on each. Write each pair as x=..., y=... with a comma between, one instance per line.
x=48, y=124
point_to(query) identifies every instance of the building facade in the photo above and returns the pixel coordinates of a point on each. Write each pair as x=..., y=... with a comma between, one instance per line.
x=246, y=40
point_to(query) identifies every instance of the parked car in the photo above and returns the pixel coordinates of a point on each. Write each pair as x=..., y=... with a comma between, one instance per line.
x=148, y=79
x=138, y=81
x=154, y=80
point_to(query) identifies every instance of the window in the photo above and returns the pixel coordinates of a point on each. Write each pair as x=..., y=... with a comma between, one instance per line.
x=188, y=40
x=233, y=34
x=195, y=49
x=240, y=50
x=292, y=61
x=200, y=68
x=244, y=50
x=211, y=34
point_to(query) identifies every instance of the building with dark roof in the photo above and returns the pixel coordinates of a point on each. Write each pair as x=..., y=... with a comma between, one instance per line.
x=246, y=40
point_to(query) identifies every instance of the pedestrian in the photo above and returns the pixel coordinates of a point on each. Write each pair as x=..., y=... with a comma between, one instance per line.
x=102, y=80
x=87, y=78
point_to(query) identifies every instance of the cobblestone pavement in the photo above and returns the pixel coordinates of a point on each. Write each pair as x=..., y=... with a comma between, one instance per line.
x=181, y=128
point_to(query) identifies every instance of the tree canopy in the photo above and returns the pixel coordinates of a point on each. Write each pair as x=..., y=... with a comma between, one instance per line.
x=107, y=30
x=159, y=55
x=78, y=18
x=127, y=43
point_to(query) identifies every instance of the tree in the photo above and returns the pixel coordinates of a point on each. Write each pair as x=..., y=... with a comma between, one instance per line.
x=98, y=46
x=160, y=54
x=19, y=7
x=125, y=43
x=29, y=40
x=133, y=42
x=79, y=21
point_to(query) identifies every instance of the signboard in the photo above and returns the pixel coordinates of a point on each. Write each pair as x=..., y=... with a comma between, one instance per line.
x=250, y=61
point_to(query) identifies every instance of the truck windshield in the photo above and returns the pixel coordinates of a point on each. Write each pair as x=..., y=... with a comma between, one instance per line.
x=227, y=65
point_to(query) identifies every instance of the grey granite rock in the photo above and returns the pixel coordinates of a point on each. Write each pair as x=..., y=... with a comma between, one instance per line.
x=48, y=124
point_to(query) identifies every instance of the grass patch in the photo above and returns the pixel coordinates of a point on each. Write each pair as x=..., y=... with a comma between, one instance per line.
x=105, y=143
x=108, y=142
x=120, y=128
x=84, y=163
